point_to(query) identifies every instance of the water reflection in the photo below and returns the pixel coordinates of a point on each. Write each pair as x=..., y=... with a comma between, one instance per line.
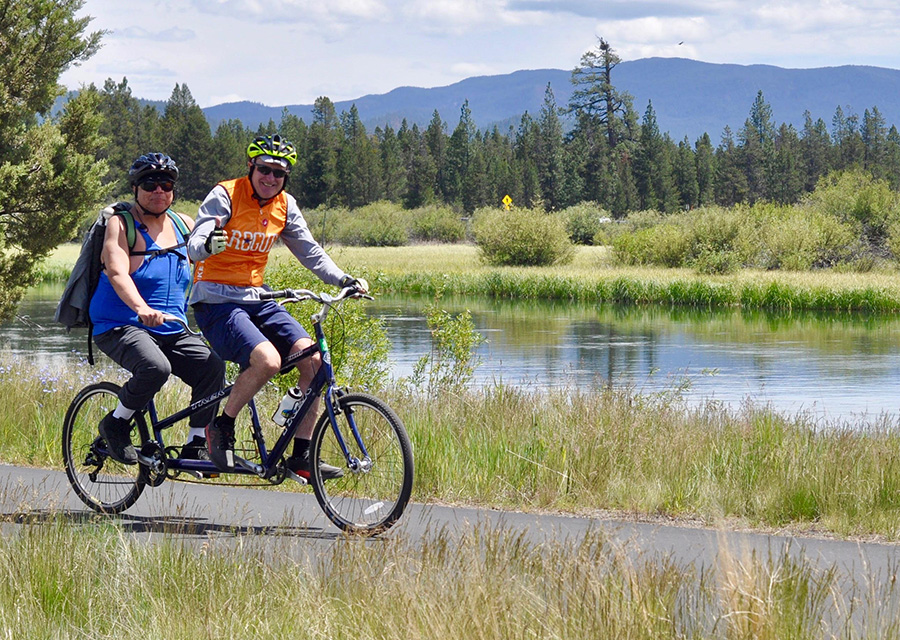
x=836, y=366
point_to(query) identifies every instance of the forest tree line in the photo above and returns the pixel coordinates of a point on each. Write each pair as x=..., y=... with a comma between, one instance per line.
x=596, y=148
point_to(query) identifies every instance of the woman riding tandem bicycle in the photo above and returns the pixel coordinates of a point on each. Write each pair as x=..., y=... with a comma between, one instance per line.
x=236, y=227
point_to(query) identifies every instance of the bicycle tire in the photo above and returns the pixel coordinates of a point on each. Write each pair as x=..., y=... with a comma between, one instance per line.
x=103, y=484
x=363, y=501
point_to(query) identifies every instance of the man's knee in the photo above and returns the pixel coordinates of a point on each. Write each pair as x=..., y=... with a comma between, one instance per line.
x=265, y=359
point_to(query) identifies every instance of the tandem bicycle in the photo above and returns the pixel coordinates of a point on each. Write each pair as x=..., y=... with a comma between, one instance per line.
x=356, y=431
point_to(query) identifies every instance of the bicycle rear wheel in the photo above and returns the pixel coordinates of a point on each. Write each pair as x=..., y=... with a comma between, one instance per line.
x=374, y=490
x=102, y=483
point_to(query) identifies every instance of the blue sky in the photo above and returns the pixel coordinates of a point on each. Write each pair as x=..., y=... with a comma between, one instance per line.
x=292, y=51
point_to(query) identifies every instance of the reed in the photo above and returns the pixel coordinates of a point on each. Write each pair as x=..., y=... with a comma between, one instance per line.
x=578, y=450
x=65, y=579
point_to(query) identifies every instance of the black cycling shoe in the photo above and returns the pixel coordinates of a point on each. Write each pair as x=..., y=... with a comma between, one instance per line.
x=300, y=465
x=220, y=445
x=196, y=450
x=117, y=433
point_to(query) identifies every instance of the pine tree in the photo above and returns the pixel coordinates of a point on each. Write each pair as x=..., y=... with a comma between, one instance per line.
x=187, y=139
x=320, y=173
x=596, y=97
x=549, y=152
x=49, y=176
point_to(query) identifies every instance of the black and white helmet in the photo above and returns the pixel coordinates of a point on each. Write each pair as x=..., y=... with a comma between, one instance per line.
x=152, y=164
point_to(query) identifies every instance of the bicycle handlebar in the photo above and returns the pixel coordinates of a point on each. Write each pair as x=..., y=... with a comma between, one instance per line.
x=298, y=295
x=176, y=320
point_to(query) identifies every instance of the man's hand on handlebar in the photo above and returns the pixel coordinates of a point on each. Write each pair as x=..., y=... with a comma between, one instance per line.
x=357, y=283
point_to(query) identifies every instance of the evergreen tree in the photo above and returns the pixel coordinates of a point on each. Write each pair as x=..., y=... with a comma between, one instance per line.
x=549, y=153
x=357, y=163
x=596, y=97
x=786, y=178
x=589, y=157
x=320, y=172
x=756, y=140
x=502, y=178
x=392, y=168
x=684, y=171
x=526, y=148
x=49, y=176
x=731, y=179
x=849, y=148
x=892, y=158
x=654, y=183
x=436, y=139
x=874, y=139
x=229, y=151
x=120, y=126
x=706, y=170
x=420, y=168
x=815, y=151
x=459, y=154
x=187, y=139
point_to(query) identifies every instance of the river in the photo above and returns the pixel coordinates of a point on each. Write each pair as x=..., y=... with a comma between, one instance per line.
x=834, y=367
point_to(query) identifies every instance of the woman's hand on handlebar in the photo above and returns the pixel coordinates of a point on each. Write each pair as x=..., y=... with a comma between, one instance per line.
x=150, y=317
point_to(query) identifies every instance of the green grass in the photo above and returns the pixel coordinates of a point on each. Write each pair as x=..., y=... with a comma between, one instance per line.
x=69, y=579
x=577, y=451
x=455, y=269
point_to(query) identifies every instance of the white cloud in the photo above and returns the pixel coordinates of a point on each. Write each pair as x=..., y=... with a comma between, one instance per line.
x=167, y=35
x=296, y=11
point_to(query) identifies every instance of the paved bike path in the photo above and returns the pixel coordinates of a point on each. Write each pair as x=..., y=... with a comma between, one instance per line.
x=214, y=514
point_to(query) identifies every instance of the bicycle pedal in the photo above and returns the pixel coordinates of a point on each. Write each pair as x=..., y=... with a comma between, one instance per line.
x=293, y=476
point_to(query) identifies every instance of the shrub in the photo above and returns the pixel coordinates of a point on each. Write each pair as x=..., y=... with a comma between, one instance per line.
x=359, y=343
x=380, y=224
x=324, y=222
x=857, y=196
x=521, y=237
x=668, y=245
x=437, y=224
x=713, y=262
x=583, y=221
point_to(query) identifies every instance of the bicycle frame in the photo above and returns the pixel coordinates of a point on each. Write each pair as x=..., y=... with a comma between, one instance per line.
x=323, y=381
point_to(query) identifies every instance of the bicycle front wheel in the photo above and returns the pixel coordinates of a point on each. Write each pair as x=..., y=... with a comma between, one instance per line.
x=375, y=488
x=102, y=483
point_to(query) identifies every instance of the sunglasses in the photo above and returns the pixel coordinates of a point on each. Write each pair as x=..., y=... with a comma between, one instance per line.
x=278, y=173
x=150, y=185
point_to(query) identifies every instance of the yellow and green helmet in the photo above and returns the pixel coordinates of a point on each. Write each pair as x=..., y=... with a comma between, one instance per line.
x=275, y=147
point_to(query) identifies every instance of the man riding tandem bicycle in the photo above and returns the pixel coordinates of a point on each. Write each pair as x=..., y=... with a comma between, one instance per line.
x=356, y=455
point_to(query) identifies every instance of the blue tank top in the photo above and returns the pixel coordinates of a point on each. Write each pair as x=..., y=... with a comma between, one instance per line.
x=162, y=280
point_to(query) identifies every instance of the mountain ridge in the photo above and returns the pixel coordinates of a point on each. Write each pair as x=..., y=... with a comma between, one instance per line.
x=689, y=97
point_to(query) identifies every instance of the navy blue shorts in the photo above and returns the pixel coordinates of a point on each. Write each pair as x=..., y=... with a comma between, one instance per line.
x=234, y=330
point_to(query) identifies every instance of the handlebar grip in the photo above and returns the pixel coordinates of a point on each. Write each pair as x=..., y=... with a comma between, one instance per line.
x=272, y=295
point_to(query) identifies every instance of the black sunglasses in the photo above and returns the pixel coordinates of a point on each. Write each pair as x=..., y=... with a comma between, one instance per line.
x=150, y=185
x=278, y=173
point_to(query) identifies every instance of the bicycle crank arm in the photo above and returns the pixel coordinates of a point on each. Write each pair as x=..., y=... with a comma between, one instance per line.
x=151, y=463
x=293, y=476
x=252, y=467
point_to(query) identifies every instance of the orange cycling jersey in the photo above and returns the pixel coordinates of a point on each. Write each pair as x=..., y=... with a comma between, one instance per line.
x=251, y=233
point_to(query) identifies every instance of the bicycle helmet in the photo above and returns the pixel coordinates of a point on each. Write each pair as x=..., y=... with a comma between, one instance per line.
x=150, y=164
x=273, y=148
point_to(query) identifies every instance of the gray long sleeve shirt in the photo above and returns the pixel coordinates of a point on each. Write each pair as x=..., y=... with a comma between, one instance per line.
x=296, y=237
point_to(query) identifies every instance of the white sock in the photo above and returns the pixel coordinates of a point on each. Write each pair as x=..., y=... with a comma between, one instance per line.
x=123, y=412
x=196, y=432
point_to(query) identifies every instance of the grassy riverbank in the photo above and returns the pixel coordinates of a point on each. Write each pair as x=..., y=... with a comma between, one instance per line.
x=456, y=269
x=582, y=451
